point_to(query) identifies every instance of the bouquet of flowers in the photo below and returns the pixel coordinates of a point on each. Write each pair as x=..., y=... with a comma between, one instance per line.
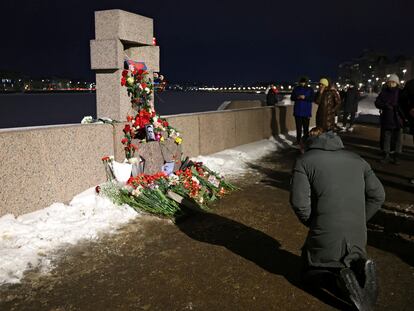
x=192, y=187
x=140, y=89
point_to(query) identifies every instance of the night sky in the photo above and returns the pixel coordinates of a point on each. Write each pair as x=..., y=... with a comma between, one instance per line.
x=211, y=41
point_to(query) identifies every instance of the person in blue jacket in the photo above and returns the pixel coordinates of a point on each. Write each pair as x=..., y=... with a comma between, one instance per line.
x=302, y=95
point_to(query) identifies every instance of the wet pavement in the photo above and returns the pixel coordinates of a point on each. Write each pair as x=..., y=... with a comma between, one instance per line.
x=243, y=255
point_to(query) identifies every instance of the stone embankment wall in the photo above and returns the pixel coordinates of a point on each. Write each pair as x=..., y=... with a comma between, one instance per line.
x=43, y=165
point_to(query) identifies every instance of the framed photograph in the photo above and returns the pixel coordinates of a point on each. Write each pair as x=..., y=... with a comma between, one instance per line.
x=149, y=129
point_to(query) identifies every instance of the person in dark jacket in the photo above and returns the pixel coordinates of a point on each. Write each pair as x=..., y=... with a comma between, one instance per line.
x=334, y=193
x=271, y=96
x=390, y=119
x=328, y=101
x=407, y=105
x=351, y=100
x=302, y=95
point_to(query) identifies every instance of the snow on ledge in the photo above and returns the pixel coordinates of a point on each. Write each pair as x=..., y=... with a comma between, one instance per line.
x=233, y=162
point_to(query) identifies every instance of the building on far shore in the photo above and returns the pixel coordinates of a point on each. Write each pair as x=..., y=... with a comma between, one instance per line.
x=371, y=70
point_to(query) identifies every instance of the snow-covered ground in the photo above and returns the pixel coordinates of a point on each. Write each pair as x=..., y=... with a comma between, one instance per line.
x=367, y=112
x=29, y=241
x=366, y=106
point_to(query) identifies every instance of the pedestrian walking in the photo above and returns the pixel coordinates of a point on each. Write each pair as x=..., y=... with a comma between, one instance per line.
x=271, y=95
x=390, y=119
x=302, y=95
x=328, y=101
x=334, y=193
x=407, y=105
x=351, y=99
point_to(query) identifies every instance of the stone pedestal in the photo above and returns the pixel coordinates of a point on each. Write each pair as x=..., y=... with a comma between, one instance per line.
x=119, y=35
x=155, y=154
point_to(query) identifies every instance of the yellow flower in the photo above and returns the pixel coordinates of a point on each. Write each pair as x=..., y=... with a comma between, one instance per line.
x=178, y=140
x=162, y=139
x=130, y=81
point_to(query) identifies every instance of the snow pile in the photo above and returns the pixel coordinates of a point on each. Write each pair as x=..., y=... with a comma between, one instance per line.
x=231, y=162
x=26, y=241
x=367, y=112
x=367, y=105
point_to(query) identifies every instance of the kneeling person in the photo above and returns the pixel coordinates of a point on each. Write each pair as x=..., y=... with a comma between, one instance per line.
x=334, y=193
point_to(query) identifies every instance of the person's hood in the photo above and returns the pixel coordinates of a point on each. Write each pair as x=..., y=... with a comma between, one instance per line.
x=328, y=141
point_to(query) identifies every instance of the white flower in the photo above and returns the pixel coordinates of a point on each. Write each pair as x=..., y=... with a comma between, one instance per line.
x=155, y=119
x=178, y=134
x=147, y=90
x=87, y=119
x=111, y=158
x=132, y=160
x=137, y=192
x=173, y=180
x=129, y=188
x=195, y=179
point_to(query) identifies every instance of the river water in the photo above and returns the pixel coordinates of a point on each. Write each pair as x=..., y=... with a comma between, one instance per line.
x=19, y=110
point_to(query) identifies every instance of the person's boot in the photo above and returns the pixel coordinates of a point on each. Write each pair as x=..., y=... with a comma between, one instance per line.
x=364, y=296
x=371, y=284
x=352, y=287
x=386, y=159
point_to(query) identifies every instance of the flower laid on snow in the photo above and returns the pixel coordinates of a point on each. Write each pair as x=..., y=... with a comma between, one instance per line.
x=158, y=193
x=137, y=191
x=87, y=120
x=173, y=180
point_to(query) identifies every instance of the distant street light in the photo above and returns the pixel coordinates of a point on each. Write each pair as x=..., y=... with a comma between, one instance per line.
x=404, y=71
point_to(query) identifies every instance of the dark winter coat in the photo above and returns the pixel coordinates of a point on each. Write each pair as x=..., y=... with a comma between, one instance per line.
x=334, y=192
x=271, y=97
x=407, y=102
x=302, y=107
x=351, y=100
x=328, y=103
x=387, y=102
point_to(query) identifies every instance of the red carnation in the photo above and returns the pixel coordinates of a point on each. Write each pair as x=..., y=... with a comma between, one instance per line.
x=127, y=128
x=144, y=85
x=124, y=140
x=130, y=118
x=165, y=123
x=124, y=73
x=134, y=146
x=140, y=71
x=123, y=81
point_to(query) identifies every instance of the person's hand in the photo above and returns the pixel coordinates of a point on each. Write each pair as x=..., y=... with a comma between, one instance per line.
x=412, y=112
x=301, y=96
